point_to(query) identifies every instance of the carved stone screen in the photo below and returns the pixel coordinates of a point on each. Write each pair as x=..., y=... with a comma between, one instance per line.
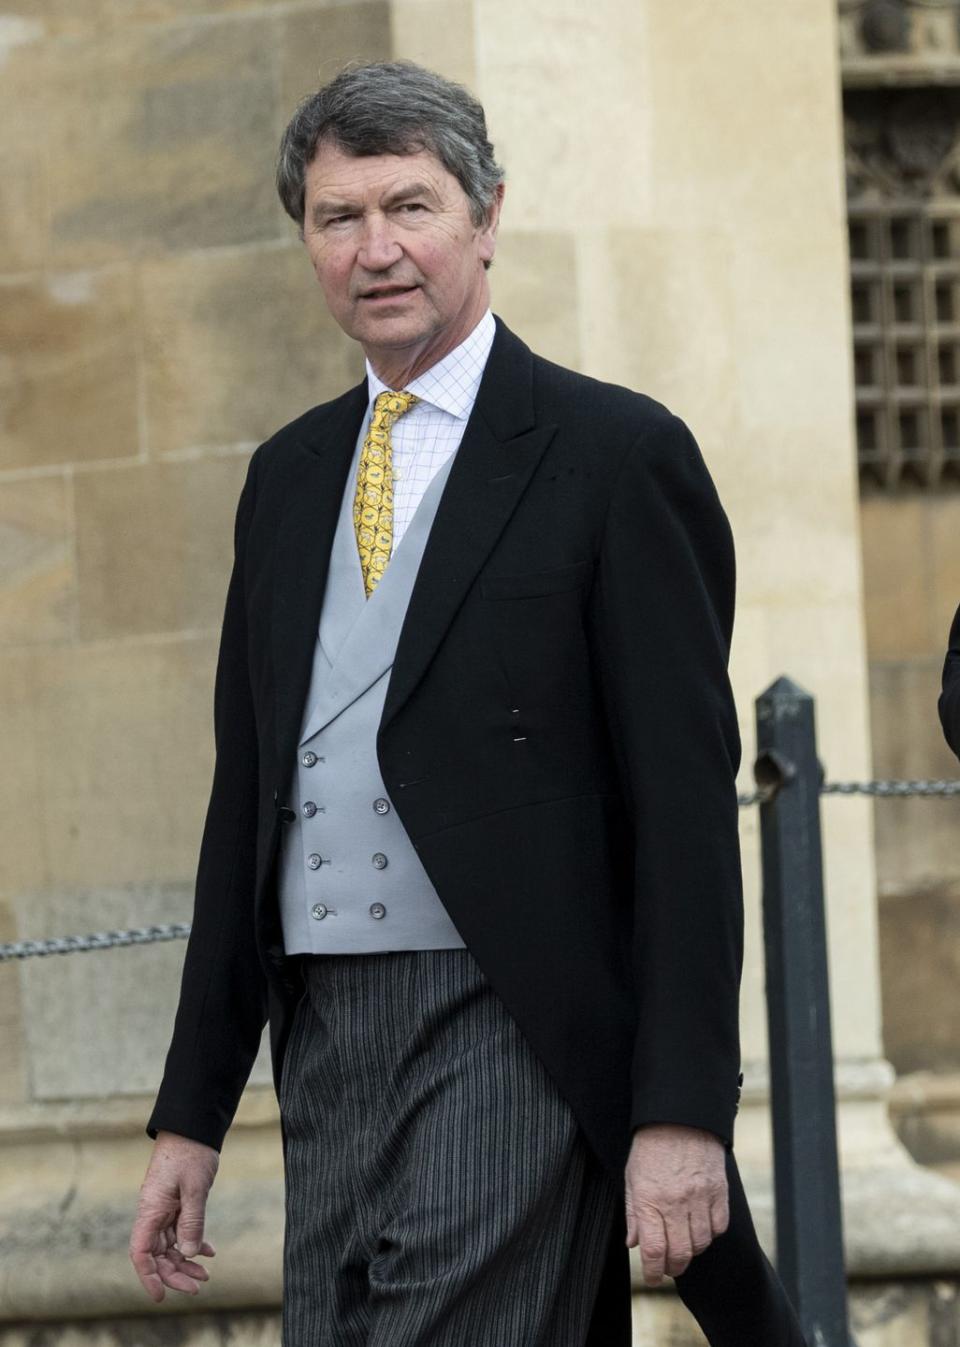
x=904, y=222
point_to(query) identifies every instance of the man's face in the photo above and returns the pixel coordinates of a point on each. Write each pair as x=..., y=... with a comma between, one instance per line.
x=395, y=249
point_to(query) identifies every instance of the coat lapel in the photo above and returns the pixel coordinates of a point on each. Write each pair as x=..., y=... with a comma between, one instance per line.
x=501, y=447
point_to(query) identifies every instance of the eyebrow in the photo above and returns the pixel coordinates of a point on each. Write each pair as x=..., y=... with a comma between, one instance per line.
x=328, y=208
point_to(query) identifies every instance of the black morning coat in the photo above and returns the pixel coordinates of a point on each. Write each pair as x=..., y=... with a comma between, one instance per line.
x=559, y=740
x=949, y=704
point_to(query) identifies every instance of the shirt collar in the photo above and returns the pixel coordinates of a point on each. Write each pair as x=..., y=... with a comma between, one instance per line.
x=452, y=383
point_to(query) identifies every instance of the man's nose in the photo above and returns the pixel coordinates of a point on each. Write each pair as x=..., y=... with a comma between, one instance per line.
x=379, y=248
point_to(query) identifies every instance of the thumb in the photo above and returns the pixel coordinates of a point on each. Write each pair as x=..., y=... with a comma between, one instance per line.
x=190, y=1224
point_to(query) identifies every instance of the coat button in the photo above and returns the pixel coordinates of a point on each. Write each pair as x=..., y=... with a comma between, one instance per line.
x=379, y=860
x=309, y=809
x=318, y=911
x=309, y=759
x=381, y=806
x=377, y=910
x=314, y=861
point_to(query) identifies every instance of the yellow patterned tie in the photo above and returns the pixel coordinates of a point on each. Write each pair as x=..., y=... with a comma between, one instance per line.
x=373, y=503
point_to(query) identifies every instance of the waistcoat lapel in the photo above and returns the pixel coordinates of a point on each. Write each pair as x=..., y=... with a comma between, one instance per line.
x=358, y=636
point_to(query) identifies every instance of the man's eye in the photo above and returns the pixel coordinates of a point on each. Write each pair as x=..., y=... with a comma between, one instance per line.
x=412, y=206
x=339, y=219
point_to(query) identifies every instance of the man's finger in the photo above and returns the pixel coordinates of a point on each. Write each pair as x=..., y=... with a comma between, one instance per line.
x=189, y=1232
x=720, y=1212
x=142, y=1256
x=146, y=1269
x=679, y=1251
x=182, y=1264
x=701, y=1229
x=174, y=1276
x=653, y=1246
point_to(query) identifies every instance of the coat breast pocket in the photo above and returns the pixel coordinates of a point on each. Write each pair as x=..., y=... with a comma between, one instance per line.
x=535, y=584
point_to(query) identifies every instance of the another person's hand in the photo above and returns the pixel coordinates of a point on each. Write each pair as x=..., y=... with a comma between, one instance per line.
x=676, y=1196
x=168, y=1230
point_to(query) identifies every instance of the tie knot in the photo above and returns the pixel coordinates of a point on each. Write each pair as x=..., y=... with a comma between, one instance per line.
x=389, y=406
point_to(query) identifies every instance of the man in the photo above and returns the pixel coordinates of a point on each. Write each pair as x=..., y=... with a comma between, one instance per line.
x=949, y=704
x=472, y=838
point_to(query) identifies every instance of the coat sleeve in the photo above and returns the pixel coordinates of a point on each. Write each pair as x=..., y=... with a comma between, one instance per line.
x=223, y=994
x=949, y=704
x=667, y=581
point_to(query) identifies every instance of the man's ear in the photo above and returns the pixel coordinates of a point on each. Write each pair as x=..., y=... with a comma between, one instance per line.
x=488, y=231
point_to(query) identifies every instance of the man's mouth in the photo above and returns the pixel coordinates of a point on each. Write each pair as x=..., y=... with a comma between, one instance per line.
x=387, y=292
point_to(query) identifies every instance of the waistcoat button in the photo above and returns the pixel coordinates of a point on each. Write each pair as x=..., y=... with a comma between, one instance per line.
x=309, y=809
x=314, y=861
x=318, y=911
x=379, y=860
x=377, y=910
x=381, y=806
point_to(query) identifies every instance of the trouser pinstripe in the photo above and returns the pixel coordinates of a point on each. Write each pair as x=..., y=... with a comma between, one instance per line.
x=439, y=1192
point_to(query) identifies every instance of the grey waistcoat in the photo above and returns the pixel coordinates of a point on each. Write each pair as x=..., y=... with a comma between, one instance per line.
x=350, y=881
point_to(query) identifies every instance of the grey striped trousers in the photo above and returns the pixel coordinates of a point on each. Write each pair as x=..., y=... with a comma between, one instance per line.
x=439, y=1192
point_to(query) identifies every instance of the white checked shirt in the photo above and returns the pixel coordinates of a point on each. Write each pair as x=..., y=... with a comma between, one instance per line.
x=426, y=436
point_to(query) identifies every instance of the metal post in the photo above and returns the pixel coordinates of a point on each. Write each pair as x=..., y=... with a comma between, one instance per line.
x=806, y=1172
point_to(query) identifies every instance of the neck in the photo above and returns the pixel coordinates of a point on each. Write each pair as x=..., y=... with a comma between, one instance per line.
x=399, y=366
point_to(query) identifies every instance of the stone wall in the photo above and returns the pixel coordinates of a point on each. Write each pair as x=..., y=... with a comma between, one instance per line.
x=900, y=70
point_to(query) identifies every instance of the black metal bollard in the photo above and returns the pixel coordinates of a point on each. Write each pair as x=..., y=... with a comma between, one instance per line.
x=803, y=1105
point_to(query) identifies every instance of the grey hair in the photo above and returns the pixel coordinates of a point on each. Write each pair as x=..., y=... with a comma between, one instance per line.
x=391, y=107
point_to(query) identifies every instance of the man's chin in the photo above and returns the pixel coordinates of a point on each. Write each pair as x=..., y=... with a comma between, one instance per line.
x=391, y=331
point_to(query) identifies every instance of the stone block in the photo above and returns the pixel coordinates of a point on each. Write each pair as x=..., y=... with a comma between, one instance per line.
x=527, y=296
x=12, y=1063
x=891, y=1315
x=22, y=863
x=916, y=837
x=239, y=1328
x=438, y=34
x=122, y=1001
x=36, y=561
x=743, y=83
x=565, y=87
x=155, y=545
x=23, y=214
x=925, y=1109
x=898, y=577
x=672, y=310
x=111, y=763
x=920, y=964
x=68, y=372
x=238, y=343
x=944, y=546
x=316, y=43
x=178, y=137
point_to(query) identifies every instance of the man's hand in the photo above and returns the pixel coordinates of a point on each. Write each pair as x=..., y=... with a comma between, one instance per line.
x=676, y=1196
x=168, y=1229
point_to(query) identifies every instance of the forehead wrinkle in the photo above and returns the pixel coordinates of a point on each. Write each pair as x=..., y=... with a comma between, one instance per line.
x=388, y=196
x=348, y=174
